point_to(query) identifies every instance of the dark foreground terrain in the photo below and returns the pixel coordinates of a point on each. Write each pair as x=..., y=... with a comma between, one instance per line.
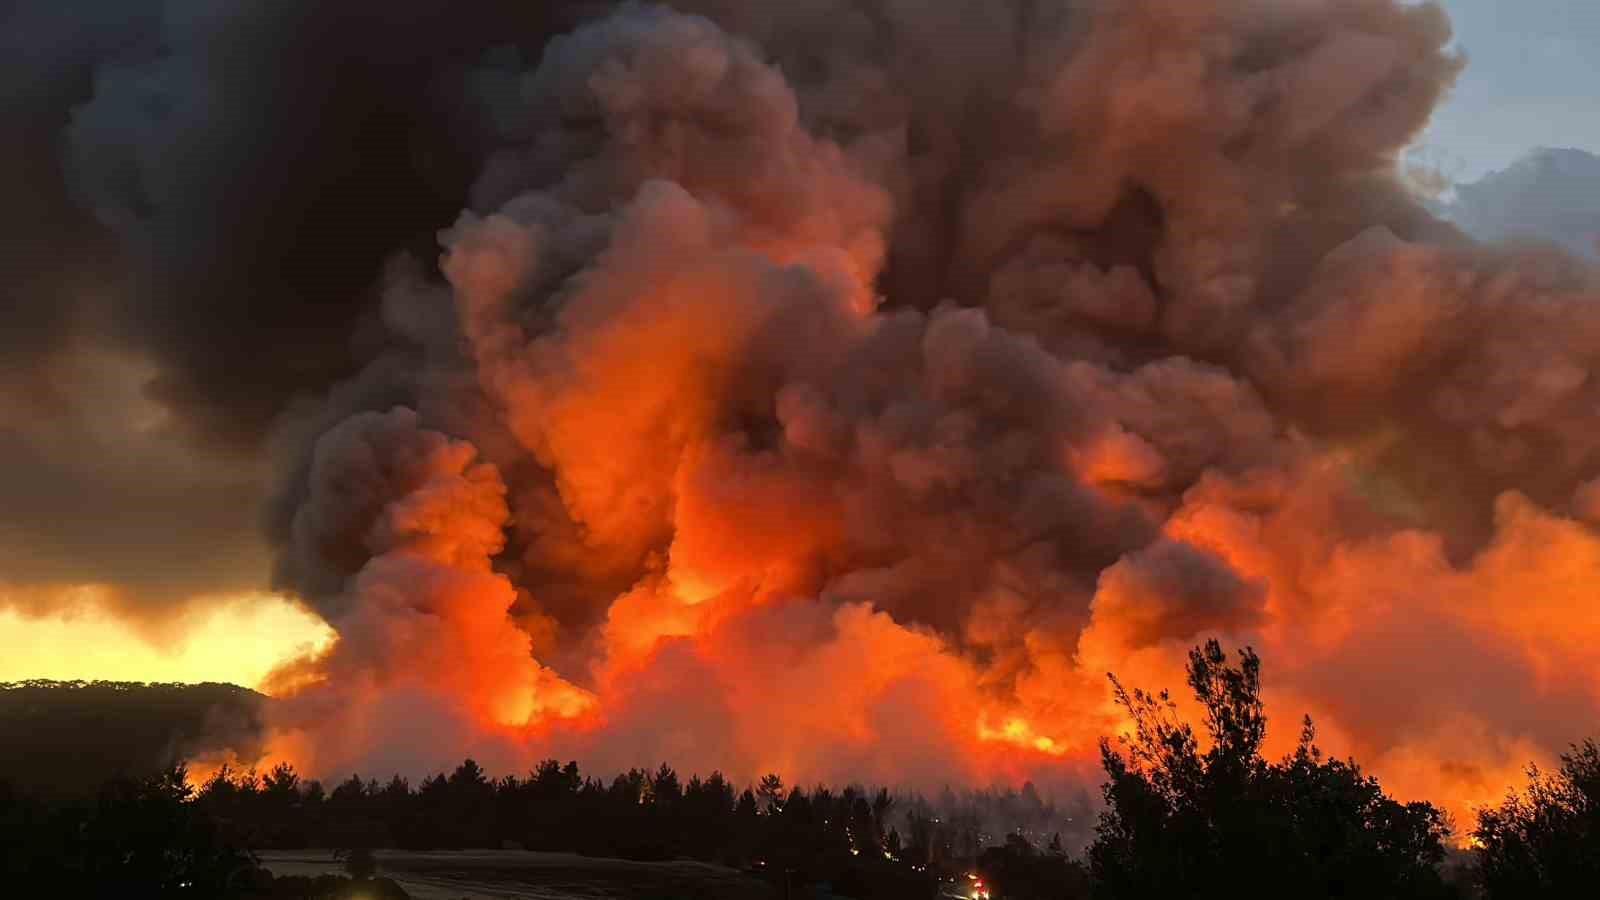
x=55, y=731
x=525, y=875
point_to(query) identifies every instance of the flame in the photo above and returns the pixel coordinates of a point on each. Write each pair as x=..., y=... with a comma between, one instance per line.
x=680, y=483
x=1019, y=733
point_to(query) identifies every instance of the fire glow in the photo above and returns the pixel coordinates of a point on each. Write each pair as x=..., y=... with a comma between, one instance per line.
x=819, y=424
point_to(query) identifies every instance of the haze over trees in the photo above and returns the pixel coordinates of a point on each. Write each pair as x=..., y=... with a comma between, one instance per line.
x=1190, y=810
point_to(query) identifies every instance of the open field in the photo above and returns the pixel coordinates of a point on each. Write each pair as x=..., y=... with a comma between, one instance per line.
x=524, y=875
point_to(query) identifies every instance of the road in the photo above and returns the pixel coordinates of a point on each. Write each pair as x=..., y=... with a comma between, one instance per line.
x=523, y=875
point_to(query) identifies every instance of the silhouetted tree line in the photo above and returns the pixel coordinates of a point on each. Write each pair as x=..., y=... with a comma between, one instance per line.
x=845, y=837
x=149, y=837
x=1185, y=815
x=1544, y=842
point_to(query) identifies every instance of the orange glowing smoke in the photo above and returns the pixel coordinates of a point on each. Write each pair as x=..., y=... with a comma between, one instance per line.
x=855, y=426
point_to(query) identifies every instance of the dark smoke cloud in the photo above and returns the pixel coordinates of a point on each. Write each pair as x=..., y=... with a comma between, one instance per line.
x=260, y=163
x=54, y=257
x=200, y=199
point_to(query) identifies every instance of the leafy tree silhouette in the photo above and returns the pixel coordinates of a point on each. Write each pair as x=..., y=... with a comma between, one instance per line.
x=283, y=808
x=469, y=806
x=1544, y=842
x=1016, y=870
x=1227, y=823
x=770, y=790
x=138, y=838
x=665, y=790
x=882, y=804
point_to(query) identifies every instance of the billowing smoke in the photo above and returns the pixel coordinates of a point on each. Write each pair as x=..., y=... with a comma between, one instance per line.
x=200, y=197
x=841, y=388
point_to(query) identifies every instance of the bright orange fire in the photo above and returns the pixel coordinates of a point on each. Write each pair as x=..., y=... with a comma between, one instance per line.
x=681, y=483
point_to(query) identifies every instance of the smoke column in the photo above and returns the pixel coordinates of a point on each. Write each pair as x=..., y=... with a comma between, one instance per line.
x=842, y=388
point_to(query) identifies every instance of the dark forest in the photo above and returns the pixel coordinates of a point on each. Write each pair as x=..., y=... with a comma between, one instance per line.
x=1187, y=811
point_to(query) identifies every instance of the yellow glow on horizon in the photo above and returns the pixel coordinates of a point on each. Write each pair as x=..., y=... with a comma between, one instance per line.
x=238, y=640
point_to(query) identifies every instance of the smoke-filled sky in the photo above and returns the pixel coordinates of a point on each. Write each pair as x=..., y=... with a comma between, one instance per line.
x=835, y=387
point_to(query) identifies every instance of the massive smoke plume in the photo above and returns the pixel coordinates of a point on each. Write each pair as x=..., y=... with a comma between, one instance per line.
x=841, y=388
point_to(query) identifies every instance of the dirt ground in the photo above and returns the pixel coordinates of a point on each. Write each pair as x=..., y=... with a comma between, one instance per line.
x=475, y=874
